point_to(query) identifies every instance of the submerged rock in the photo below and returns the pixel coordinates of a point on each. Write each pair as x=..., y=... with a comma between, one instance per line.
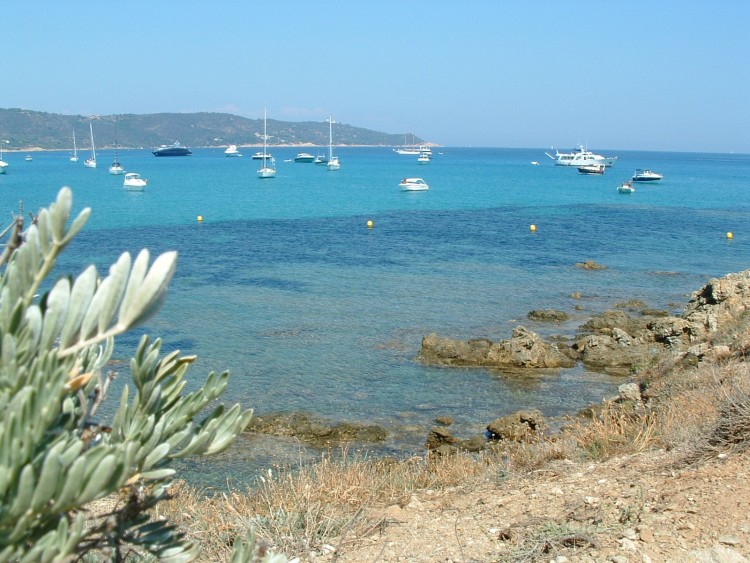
x=548, y=315
x=316, y=431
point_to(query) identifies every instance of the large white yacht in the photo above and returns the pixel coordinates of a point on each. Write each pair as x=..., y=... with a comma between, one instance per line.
x=580, y=157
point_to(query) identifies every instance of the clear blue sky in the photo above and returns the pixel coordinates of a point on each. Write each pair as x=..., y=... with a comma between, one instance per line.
x=652, y=75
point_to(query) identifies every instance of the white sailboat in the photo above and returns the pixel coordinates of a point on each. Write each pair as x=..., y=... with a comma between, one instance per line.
x=116, y=168
x=333, y=161
x=74, y=158
x=268, y=167
x=91, y=162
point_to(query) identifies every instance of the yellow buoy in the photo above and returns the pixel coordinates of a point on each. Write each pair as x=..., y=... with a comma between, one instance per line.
x=200, y=218
x=369, y=224
x=730, y=235
x=532, y=228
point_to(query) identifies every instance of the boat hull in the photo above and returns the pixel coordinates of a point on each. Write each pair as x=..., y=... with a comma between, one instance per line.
x=172, y=151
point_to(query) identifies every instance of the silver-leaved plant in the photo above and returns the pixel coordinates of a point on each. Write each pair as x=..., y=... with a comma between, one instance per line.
x=56, y=456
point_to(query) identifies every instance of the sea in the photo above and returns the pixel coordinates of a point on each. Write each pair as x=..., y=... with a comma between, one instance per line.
x=314, y=288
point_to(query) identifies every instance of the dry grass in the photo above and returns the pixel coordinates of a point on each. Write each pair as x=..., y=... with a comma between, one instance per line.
x=322, y=508
x=304, y=512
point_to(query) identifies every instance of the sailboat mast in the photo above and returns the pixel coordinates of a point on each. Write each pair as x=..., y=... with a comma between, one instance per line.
x=265, y=135
x=330, y=138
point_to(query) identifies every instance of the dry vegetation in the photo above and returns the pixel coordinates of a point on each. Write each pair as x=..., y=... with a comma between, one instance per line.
x=345, y=510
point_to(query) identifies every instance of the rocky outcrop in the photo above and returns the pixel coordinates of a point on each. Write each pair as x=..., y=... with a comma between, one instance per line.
x=524, y=349
x=720, y=302
x=614, y=341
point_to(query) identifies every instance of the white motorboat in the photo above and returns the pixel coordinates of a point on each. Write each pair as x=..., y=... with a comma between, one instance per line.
x=413, y=185
x=626, y=188
x=91, y=161
x=133, y=182
x=260, y=155
x=232, y=150
x=321, y=159
x=333, y=161
x=28, y=158
x=580, y=157
x=592, y=169
x=424, y=158
x=3, y=164
x=268, y=167
x=304, y=157
x=643, y=175
x=74, y=157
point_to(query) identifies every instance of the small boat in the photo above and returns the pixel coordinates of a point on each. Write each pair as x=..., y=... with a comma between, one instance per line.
x=591, y=169
x=333, y=161
x=232, y=151
x=413, y=185
x=304, y=157
x=423, y=158
x=133, y=182
x=268, y=167
x=3, y=164
x=626, y=187
x=321, y=159
x=172, y=150
x=534, y=163
x=91, y=162
x=580, y=157
x=260, y=155
x=74, y=157
x=116, y=168
x=28, y=158
x=646, y=176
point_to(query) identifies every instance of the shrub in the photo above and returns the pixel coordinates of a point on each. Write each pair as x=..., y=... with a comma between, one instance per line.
x=56, y=455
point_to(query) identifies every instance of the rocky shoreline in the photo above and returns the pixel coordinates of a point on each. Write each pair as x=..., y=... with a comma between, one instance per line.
x=614, y=342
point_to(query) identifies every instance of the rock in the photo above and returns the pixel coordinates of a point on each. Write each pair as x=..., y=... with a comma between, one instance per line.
x=438, y=437
x=729, y=540
x=316, y=431
x=474, y=444
x=629, y=392
x=590, y=265
x=547, y=315
x=521, y=426
x=524, y=349
x=444, y=420
x=718, y=554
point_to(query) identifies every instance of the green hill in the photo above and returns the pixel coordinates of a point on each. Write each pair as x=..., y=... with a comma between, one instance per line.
x=26, y=129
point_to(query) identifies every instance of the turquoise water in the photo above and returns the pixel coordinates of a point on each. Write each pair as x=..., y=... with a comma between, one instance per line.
x=284, y=285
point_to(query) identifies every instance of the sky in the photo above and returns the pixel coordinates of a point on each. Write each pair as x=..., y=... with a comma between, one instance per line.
x=664, y=75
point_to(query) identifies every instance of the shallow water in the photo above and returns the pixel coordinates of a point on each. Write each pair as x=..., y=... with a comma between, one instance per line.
x=283, y=284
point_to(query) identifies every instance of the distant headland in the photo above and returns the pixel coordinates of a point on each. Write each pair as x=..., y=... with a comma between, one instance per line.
x=25, y=130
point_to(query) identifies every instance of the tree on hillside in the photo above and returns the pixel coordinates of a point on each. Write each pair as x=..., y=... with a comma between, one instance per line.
x=56, y=453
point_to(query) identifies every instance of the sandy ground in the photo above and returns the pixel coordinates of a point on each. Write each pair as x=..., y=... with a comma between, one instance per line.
x=643, y=507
